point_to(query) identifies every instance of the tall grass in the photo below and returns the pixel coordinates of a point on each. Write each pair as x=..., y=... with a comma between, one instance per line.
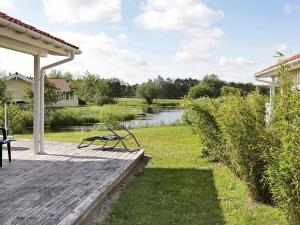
x=87, y=115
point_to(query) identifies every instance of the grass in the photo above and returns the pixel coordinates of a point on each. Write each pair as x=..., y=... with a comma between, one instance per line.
x=142, y=102
x=89, y=114
x=179, y=187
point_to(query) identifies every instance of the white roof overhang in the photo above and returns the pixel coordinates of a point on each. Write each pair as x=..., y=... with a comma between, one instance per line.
x=22, y=39
x=273, y=72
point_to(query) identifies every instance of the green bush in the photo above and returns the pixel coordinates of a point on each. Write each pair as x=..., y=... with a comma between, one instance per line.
x=283, y=172
x=241, y=120
x=200, y=115
x=18, y=119
x=232, y=130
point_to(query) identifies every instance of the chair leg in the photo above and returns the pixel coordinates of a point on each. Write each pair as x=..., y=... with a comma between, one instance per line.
x=9, y=152
x=0, y=155
x=124, y=145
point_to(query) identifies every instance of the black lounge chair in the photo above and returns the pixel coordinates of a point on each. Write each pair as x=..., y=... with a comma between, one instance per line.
x=114, y=137
x=3, y=141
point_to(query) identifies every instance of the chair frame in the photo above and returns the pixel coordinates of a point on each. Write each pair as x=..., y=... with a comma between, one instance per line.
x=114, y=137
x=4, y=141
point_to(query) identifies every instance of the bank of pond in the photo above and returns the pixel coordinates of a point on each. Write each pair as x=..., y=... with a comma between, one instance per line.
x=93, y=117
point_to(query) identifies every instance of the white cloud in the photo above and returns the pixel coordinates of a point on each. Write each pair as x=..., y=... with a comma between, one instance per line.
x=197, y=45
x=101, y=51
x=101, y=54
x=177, y=15
x=192, y=19
x=77, y=11
x=123, y=38
x=287, y=8
x=6, y=4
x=239, y=61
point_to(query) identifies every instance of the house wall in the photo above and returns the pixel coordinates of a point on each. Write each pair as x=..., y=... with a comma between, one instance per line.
x=66, y=103
x=17, y=88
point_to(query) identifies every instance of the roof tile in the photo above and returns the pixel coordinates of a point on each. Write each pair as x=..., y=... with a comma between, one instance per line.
x=19, y=22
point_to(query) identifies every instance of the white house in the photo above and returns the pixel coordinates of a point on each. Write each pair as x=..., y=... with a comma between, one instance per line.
x=65, y=96
x=269, y=75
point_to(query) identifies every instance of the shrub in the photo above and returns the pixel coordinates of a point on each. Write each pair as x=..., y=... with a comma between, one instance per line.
x=200, y=115
x=227, y=90
x=241, y=121
x=18, y=119
x=283, y=172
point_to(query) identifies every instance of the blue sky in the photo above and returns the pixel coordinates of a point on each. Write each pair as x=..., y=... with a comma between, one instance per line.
x=139, y=39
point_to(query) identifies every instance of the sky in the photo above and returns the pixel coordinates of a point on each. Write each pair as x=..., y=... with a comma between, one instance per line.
x=137, y=40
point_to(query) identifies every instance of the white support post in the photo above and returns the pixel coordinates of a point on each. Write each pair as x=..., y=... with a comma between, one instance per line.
x=5, y=115
x=36, y=105
x=272, y=94
x=42, y=111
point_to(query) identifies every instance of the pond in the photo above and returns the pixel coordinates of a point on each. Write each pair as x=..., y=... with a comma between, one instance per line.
x=156, y=117
x=149, y=116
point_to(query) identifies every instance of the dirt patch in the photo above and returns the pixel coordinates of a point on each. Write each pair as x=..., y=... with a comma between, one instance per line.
x=104, y=208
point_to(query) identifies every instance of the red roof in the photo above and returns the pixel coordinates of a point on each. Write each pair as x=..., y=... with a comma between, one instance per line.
x=60, y=84
x=20, y=23
x=294, y=57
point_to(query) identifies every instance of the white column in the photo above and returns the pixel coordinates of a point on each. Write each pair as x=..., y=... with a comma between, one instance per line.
x=5, y=115
x=42, y=112
x=36, y=105
x=272, y=94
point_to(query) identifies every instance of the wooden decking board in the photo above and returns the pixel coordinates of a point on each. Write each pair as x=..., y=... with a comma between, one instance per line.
x=53, y=185
x=79, y=191
x=17, y=166
x=54, y=188
x=67, y=193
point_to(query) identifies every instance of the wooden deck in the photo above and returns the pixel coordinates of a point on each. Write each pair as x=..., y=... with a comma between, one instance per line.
x=60, y=187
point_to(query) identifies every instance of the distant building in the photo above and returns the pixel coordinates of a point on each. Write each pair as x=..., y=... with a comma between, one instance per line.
x=17, y=84
x=65, y=97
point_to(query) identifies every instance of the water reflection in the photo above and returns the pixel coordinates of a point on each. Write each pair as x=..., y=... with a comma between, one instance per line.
x=159, y=117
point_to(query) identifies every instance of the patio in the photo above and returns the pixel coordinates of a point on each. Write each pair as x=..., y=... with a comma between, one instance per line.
x=60, y=187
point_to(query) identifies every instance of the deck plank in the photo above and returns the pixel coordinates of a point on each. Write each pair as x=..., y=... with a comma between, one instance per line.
x=59, y=187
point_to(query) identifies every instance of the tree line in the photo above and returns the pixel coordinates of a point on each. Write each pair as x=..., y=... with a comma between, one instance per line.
x=92, y=89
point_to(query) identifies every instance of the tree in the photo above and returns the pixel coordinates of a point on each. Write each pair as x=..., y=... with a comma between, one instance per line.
x=50, y=94
x=149, y=91
x=115, y=87
x=3, y=91
x=201, y=90
x=55, y=74
x=92, y=89
x=214, y=83
x=227, y=90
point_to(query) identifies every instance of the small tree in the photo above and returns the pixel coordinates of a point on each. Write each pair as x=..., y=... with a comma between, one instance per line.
x=92, y=89
x=200, y=90
x=50, y=94
x=3, y=91
x=149, y=91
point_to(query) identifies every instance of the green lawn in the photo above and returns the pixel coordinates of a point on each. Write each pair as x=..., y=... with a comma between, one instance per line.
x=179, y=187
